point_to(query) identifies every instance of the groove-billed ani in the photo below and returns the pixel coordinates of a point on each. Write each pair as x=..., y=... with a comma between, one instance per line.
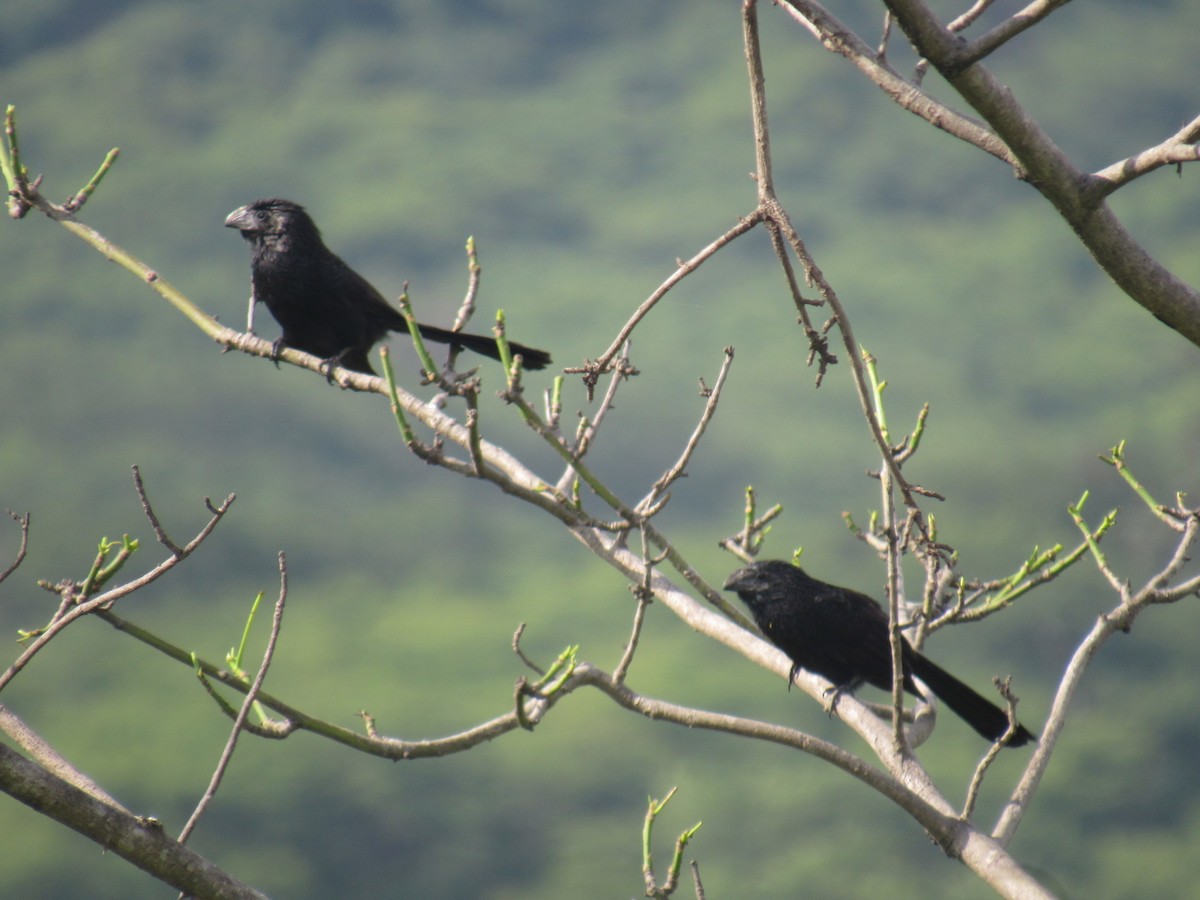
x=323, y=306
x=843, y=635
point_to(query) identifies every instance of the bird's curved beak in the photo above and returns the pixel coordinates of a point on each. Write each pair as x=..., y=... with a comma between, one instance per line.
x=240, y=219
x=741, y=580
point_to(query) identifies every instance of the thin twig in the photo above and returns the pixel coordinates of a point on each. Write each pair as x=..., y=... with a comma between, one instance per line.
x=977, y=776
x=159, y=533
x=645, y=594
x=110, y=597
x=474, y=275
x=76, y=202
x=1180, y=147
x=516, y=645
x=639, y=617
x=603, y=363
x=696, y=883
x=23, y=522
x=746, y=543
x=588, y=428
x=676, y=472
x=1018, y=22
x=247, y=703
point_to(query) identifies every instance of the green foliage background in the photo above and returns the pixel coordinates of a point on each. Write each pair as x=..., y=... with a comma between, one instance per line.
x=586, y=148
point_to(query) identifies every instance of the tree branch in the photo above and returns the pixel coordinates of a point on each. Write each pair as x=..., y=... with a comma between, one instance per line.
x=840, y=39
x=1007, y=30
x=22, y=548
x=1077, y=196
x=1177, y=149
x=247, y=704
x=137, y=839
x=74, y=608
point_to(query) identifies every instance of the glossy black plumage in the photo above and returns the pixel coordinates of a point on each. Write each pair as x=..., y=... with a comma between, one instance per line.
x=842, y=635
x=323, y=306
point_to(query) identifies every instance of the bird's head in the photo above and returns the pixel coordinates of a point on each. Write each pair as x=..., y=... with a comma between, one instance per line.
x=272, y=222
x=762, y=577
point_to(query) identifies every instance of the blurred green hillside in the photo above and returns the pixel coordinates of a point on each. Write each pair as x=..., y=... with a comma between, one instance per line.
x=586, y=148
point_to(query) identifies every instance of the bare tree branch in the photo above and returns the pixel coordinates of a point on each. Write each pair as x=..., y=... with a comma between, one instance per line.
x=50, y=759
x=592, y=371
x=77, y=610
x=1078, y=197
x=677, y=470
x=1179, y=148
x=1007, y=30
x=247, y=704
x=840, y=39
x=22, y=549
x=1119, y=619
x=136, y=839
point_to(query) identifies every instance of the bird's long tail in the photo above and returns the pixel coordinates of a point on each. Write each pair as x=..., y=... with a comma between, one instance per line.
x=485, y=346
x=978, y=712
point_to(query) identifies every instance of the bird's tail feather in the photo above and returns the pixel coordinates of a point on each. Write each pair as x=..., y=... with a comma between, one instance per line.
x=485, y=346
x=980, y=713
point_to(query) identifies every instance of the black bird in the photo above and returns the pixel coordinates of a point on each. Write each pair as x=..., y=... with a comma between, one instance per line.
x=843, y=635
x=323, y=306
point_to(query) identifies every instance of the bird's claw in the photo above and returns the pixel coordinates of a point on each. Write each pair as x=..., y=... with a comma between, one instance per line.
x=328, y=365
x=831, y=695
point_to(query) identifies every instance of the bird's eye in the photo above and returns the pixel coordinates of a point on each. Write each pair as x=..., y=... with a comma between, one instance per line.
x=261, y=215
